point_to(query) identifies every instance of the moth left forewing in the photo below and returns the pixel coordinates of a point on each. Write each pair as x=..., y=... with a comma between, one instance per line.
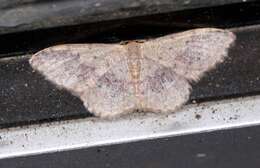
x=190, y=53
x=76, y=67
x=93, y=72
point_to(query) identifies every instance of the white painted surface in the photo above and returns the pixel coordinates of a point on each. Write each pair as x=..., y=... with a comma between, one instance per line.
x=89, y=132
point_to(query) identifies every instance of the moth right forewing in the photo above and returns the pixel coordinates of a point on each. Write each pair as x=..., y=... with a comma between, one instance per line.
x=190, y=53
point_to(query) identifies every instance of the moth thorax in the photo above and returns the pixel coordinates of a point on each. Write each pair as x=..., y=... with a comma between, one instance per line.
x=134, y=56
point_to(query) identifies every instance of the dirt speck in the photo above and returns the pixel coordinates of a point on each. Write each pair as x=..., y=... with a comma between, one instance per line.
x=197, y=116
x=201, y=155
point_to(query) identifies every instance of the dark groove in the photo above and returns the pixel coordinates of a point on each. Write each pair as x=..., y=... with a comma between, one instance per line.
x=132, y=28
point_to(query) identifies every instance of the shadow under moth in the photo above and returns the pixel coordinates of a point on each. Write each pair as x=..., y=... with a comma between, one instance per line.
x=153, y=76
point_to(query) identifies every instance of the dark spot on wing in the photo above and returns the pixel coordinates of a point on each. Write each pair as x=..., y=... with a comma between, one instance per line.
x=159, y=78
x=85, y=72
x=110, y=82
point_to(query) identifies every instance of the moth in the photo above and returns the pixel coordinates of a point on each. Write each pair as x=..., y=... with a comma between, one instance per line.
x=153, y=76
